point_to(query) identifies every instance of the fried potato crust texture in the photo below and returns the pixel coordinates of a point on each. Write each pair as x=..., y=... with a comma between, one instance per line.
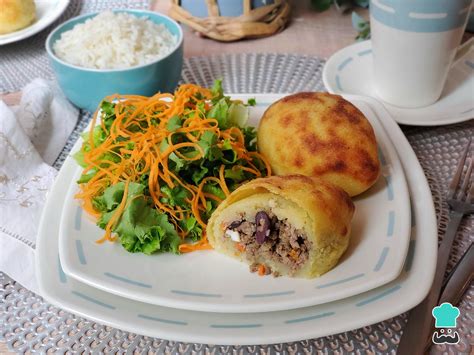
x=321, y=135
x=16, y=14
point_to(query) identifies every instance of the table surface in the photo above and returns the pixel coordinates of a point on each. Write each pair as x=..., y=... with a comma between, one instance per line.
x=309, y=33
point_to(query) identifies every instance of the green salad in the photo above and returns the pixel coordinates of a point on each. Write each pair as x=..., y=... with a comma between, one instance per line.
x=155, y=168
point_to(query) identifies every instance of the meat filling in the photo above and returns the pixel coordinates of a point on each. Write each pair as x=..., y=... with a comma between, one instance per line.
x=272, y=239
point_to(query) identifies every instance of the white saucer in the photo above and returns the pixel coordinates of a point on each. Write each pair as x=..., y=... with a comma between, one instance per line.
x=349, y=71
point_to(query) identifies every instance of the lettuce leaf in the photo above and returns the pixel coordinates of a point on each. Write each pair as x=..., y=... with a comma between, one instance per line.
x=220, y=112
x=214, y=189
x=238, y=114
x=141, y=228
x=217, y=90
x=174, y=123
x=175, y=196
x=193, y=228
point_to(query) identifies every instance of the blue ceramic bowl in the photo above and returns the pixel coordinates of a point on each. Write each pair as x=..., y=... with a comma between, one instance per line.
x=86, y=87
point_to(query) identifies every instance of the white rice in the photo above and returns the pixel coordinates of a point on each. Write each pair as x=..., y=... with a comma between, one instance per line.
x=114, y=41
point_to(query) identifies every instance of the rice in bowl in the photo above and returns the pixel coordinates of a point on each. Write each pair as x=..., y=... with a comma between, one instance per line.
x=114, y=41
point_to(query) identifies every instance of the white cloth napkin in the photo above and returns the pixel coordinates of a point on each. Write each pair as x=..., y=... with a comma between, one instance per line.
x=31, y=137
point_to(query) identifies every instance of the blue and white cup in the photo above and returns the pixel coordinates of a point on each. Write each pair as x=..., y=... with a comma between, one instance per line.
x=414, y=43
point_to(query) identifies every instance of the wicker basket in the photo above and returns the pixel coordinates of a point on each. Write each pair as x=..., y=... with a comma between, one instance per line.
x=253, y=22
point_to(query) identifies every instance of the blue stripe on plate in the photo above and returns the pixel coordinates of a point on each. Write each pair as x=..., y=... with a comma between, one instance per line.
x=304, y=319
x=388, y=180
x=197, y=294
x=379, y=296
x=344, y=63
x=362, y=53
x=93, y=300
x=80, y=252
x=338, y=83
x=341, y=281
x=471, y=109
x=413, y=215
x=78, y=219
x=382, y=257
x=469, y=64
x=391, y=223
x=62, y=275
x=124, y=279
x=383, y=161
x=410, y=255
x=230, y=326
x=162, y=320
x=258, y=295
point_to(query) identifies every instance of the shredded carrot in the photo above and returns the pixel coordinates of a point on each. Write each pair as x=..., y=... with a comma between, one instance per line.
x=261, y=270
x=203, y=244
x=222, y=181
x=240, y=247
x=116, y=216
x=128, y=153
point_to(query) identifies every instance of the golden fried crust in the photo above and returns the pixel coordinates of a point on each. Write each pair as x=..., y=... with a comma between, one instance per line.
x=330, y=207
x=315, y=196
x=16, y=14
x=320, y=134
x=326, y=209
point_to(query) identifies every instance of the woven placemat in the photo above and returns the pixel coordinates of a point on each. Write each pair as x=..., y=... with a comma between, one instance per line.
x=22, y=61
x=27, y=323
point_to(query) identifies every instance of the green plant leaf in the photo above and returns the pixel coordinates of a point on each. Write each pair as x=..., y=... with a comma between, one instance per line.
x=252, y=102
x=361, y=26
x=321, y=5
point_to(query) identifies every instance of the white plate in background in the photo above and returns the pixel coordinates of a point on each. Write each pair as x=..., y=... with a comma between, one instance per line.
x=209, y=281
x=47, y=11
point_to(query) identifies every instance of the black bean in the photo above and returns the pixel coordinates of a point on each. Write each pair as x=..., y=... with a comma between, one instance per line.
x=262, y=223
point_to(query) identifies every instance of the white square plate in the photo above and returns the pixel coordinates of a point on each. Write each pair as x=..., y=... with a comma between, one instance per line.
x=208, y=281
x=370, y=307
